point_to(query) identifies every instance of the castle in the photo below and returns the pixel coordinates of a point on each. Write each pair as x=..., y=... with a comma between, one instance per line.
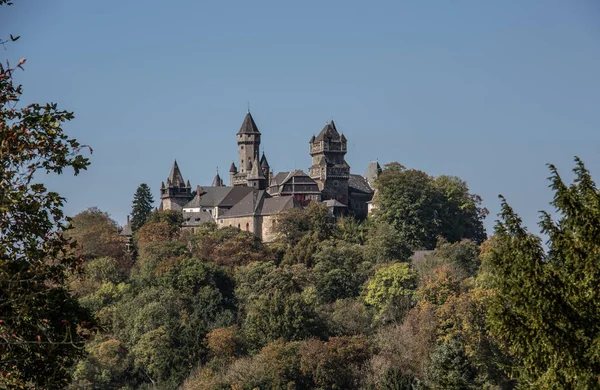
x=256, y=196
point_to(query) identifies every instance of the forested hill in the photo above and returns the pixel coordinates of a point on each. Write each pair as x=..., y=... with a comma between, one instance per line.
x=346, y=305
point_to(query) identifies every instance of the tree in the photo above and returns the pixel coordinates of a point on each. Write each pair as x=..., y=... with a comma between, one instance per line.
x=142, y=206
x=42, y=327
x=422, y=208
x=390, y=290
x=545, y=305
x=96, y=235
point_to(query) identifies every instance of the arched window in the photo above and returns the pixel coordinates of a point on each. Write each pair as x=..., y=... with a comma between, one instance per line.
x=247, y=227
x=239, y=226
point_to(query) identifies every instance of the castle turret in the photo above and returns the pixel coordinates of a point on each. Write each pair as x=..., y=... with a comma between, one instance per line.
x=176, y=193
x=266, y=169
x=329, y=167
x=232, y=172
x=217, y=181
x=256, y=178
x=248, y=140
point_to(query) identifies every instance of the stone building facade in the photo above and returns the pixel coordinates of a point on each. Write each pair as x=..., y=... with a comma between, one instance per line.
x=256, y=196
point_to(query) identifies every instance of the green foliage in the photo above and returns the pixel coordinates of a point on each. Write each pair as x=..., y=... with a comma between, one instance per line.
x=450, y=368
x=422, y=208
x=142, y=206
x=314, y=220
x=384, y=244
x=545, y=305
x=340, y=271
x=278, y=316
x=390, y=291
x=42, y=327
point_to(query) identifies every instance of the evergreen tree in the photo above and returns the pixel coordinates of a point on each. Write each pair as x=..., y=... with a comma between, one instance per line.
x=545, y=307
x=142, y=206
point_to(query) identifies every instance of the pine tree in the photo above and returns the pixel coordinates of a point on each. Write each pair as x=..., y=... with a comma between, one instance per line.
x=545, y=309
x=142, y=206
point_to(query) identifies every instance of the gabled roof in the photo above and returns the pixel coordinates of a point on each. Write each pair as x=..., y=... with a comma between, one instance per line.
x=197, y=218
x=249, y=126
x=208, y=197
x=359, y=183
x=235, y=196
x=175, y=177
x=279, y=177
x=258, y=202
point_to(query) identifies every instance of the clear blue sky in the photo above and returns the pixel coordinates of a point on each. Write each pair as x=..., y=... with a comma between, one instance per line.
x=489, y=91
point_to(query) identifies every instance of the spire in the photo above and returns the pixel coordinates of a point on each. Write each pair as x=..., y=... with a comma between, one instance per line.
x=263, y=161
x=312, y=139
x=175, y=177
x=187, y=184
x=162, y=185
x=248, y=126
x=233, y=168
x=256, y=173
x=217, y=181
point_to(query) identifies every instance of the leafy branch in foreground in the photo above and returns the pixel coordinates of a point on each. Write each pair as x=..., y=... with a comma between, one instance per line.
x=42, y=328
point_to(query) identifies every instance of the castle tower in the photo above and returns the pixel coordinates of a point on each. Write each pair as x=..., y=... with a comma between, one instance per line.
x=176, y=193
x=256, y=177
x=266, y=169
x=248, y=140
x=232, y=172
x=329, y=167
x=217, y=181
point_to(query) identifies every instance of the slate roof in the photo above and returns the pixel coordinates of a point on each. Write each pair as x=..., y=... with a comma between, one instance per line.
x=197, y=218
x=248, y=126
x=233, y=168
x=209, y=197
x=126, y=231
x=279, y=178
x=258, y=202
x=263, y=161
x=359, y=183
x=217, y=181
x=256, y=173
x=328, y=131
x=175, y=177
x=334, y=203
x=234, y=196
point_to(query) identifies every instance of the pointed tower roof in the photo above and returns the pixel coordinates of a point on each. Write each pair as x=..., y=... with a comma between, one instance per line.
x=255, y=173
x=217, y=181
x=328, y=131
x=248, y=126
x=312, y=139
x=175, y=177
x=233, y=168
x=263, y=161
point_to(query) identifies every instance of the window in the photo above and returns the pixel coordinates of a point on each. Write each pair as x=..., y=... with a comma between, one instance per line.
x=242, y=147
x=239, y=226
x=247, y=227
x=335, y=183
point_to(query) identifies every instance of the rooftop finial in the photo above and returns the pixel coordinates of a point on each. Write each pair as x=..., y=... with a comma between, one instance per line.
x=248, y=106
